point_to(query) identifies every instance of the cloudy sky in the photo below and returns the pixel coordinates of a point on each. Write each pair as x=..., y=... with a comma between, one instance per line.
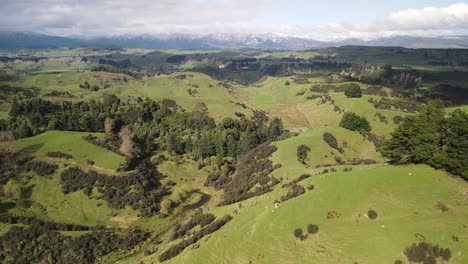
x=322, y=20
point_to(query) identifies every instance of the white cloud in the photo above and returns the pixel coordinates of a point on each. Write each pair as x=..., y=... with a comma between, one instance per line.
x=116, y=17
x=430, y=21
x=113, y=17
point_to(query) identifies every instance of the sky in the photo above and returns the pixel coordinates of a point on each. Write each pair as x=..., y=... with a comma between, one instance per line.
x=321, y=20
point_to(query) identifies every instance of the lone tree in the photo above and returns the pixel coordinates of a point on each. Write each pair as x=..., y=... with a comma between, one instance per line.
x=372, y=214
x=298, y=233
x=126, y=142
x=312, y=229
x=353, y=90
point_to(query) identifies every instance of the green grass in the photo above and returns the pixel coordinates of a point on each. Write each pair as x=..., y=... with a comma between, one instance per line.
x=217, y=98
x=73, y=144
x=4, y=115
x=405, y=205
x=49, y=203
x=321, y=153
x=297, y=112
x=463, y=108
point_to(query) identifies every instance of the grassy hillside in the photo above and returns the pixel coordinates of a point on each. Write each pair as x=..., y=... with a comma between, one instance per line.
x=189, y=176
x=406, y=207
x=73, y=144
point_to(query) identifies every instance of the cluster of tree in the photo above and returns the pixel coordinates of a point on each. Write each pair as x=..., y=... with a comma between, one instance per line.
x=87, y=86
x=146, y=125
x=294, y=191
x=450, y=94
x=353, y=90
x=311, y=229
x=38, y=244
x=117, y=64
x=199, y=218
x=427, y=253
x=12, y=162
x=329, y=87
x=375, y=90
x=58, y=154
x=302, y=152
x=211, y=228
x=115, y=70
x=298, y=233
x=432, y=138
x=8, y=92
x=140, y=190
x=27, y=220
x=354, y=122
x=396, y=104
x=332, y=142
x=41, y=168
x=64, y=94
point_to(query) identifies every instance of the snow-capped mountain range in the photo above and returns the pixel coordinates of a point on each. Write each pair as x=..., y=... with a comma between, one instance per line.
x=221, y=41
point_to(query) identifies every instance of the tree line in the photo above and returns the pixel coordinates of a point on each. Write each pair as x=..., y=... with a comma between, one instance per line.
x=432, y=137
x=144, y=125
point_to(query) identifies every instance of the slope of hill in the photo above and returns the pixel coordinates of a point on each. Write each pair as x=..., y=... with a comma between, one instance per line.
x=182, y=167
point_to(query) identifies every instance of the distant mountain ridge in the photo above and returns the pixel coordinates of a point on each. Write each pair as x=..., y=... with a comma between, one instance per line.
x=9, y=40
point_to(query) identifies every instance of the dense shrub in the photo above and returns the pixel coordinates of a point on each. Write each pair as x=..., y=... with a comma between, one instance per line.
x=300, y=93
x=39, y=243
x=41, y=168
x=298, y=232
x=176, y=249
x=310, y=187
x=378, y=141
x=354, y=122
x=59, y=155
x=375, y=90
x=140, y=190
x=356, y=161
x=320, y=89
x=312, y=229
x=382, y=118
x=198, y=218
x=397, y=104
x=426, y=253
x=353, y=90
x=332, y=142
x=397, y=119
x=442, y=207
x=294, y=191
x=302, y=151
x=372, y=214
x=297, y=180
x=251, y=168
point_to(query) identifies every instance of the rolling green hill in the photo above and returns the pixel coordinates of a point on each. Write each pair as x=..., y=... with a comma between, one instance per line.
x=167, y=166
